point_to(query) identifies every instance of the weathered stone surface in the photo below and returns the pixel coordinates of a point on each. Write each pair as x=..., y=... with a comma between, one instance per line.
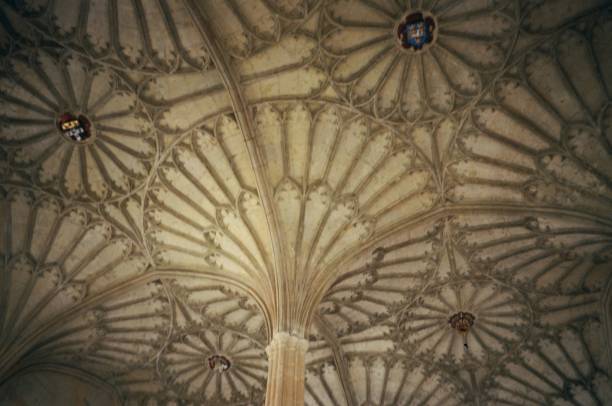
x=186, y=183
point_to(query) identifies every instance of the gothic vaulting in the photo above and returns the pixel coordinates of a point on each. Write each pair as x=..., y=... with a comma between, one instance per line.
x=318, y=202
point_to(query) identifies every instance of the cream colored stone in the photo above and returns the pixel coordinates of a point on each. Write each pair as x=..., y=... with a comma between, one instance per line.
x=286, y=354
x=283, y=174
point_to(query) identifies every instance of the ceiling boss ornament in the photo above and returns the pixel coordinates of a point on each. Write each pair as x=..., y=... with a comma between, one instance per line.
x=430, y=326
x=219, y=363
x=83, y=134
x=212, y=366
x=416, y=30
x=469, y=140
x=462, y=322
x=76, y=128
x=403, y=64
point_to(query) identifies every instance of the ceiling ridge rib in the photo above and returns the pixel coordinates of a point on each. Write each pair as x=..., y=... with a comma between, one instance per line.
x=72, y=371
x=471, y=175
x=339, y=359
x=335, y=267
x=445, y=211
x=12, y=355
x=279, y=290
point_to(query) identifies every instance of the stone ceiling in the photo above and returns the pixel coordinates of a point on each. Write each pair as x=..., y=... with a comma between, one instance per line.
x=252, y=166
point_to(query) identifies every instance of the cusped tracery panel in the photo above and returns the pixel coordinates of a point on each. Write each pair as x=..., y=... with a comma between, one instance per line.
x=123, y=332
x=435, y=142
x=215, y=305
x=286, y=69
x=543, y=252
x=202, y=210
x=381, y=282
x=380, y=72
x=282, y=70
x=158, y=35
x=562, y=264
x=338, y=179
x=383, y=380
x=214, y=366
x=185, y=100
x=323, y=385
x=545, y=137
x=54, y=257
x=213, y=353
x=245, y=26
x=561, y=368
x=72, y=127
x=126, y=215
x=502, y=320
x=392, y=381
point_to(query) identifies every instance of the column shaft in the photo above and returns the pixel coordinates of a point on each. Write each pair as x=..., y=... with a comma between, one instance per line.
x=286, y=370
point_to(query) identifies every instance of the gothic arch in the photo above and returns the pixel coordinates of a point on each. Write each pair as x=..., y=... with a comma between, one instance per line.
x=187, y=186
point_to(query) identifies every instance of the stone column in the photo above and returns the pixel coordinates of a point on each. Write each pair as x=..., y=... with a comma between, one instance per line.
x=286, y=370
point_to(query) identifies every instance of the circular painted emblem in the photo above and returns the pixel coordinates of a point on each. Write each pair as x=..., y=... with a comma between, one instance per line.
x=416, y=30
x=219, y=363
x=76, y=128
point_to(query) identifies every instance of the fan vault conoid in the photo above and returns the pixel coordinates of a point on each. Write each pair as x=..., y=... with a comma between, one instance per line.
x=284, y=202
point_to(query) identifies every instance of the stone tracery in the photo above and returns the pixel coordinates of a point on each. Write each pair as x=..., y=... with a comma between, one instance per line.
x=390, y=214
x=377, y=77
x=37, y=89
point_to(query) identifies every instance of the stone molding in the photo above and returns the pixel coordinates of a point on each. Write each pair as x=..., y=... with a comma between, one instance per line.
x=286, y=370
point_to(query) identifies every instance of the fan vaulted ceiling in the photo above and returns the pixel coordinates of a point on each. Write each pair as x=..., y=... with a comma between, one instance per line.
x=251, y=166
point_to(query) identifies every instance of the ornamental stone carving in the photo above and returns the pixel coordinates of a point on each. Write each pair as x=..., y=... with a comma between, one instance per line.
x=185, y=184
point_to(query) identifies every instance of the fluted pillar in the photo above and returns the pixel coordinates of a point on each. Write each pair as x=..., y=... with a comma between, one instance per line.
x=286, y=370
